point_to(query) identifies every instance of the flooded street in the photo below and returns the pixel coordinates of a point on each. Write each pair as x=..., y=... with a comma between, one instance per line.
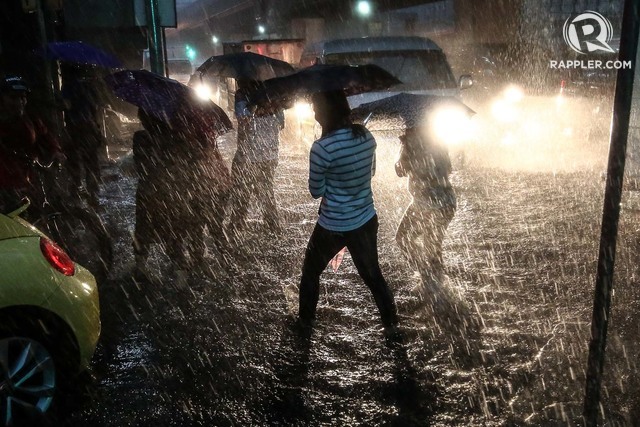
x=520, y=255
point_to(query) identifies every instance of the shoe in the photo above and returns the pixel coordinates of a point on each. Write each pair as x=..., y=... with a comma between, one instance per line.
x=393, y=335
x=303, y=327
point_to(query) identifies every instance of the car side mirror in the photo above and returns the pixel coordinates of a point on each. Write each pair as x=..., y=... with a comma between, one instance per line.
x=465, y=81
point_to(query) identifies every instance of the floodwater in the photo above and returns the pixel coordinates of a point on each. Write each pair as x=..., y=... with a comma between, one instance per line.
x=520, y=254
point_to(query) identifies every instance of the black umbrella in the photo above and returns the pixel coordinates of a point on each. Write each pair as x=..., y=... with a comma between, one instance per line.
x=280, y=93
x=405, y=110
x=166, y=99
x=245, y=65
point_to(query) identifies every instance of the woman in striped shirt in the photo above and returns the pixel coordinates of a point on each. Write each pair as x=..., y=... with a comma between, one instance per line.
x=341, y=165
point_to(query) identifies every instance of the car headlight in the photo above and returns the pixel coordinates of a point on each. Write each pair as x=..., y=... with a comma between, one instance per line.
x=303, y=111
x=504, y=111
x=505, y=107
x=203, y=91
x=452, y=125
x=513, y=94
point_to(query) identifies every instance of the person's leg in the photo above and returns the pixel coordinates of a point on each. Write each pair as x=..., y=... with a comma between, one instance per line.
x=435, y=222
x=266, y=196
x=322, y=246
x=73, y=162
x=196, y=245
x=92, y=173
x=239, y=197
x=410, y=230
x=142, y=238
x=363, y=247
x=215, y=216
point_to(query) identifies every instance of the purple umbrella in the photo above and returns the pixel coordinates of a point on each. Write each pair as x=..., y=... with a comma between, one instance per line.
x=167, y=99
x=77, y=52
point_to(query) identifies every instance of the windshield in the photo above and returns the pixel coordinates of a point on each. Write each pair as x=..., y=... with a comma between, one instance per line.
x=418, y=70
x=179, y=67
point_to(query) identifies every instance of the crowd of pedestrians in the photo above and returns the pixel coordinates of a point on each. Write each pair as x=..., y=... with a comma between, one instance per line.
x=185, y=187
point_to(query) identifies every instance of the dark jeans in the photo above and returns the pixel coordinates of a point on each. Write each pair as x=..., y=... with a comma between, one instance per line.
x=362, y=244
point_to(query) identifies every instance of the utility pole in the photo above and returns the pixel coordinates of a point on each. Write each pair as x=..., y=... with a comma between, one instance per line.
x=155, y=38
x=611, y=211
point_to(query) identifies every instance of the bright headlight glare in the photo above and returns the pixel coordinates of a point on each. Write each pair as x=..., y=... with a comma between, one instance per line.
x=504, y=111
x=452, y=125
x=303, y=110
x=513, y=94
x=203, y=91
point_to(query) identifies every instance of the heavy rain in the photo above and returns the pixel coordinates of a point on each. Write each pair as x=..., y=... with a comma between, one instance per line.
x=186, y=205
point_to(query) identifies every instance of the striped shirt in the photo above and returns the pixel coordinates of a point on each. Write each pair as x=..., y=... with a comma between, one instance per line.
x=341, y=165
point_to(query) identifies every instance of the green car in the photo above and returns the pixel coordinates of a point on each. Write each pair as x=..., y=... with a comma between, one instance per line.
x=49, y=319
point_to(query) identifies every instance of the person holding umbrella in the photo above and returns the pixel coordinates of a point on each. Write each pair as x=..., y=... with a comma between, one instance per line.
x=83, y=116
x=83, y=109
x=341, y=166
x=183, y=180
x=254, y=163
x=424, y=159
x=423, y=226
x=256, y=157
x=182, y=188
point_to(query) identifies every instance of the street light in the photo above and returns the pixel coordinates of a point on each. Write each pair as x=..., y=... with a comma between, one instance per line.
x=261, y=29
x=363, y=8
x=214, y=39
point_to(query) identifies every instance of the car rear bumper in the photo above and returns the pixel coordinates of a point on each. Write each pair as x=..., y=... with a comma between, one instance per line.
x=77, y=302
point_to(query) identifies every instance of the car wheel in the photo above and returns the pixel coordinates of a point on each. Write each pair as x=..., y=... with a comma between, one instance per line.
x=27, y=380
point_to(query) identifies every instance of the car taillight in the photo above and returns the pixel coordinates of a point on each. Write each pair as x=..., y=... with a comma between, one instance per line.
x=57, y=257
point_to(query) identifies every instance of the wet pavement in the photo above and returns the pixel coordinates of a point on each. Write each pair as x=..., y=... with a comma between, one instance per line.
x=222, y=350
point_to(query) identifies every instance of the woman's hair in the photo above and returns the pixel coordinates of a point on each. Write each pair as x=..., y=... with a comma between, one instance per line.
x=335, y=106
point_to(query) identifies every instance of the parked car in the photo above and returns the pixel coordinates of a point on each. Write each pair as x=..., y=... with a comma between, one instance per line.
x=49, y=320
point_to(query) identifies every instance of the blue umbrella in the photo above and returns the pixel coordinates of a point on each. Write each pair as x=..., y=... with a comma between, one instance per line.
x=77, y=52
x=167, y=99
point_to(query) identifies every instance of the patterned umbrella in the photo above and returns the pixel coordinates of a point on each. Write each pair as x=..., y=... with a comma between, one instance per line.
x=282, y=92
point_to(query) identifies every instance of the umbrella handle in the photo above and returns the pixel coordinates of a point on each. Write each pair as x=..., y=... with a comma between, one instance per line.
x=366, y=120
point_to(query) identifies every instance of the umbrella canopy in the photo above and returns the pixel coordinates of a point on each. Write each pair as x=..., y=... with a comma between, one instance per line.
x=77, y=52
x=245, y=65
x=168, y=100
x=280, y=93
x=404, y=110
